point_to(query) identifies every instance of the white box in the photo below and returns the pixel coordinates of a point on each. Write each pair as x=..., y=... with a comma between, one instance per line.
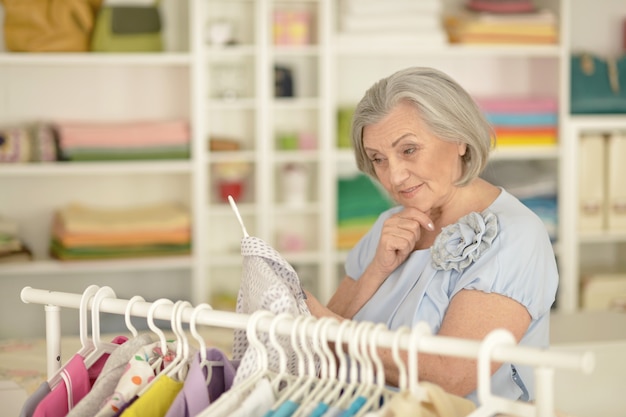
x=604, y=292
x=616, y=204
x=591, y=180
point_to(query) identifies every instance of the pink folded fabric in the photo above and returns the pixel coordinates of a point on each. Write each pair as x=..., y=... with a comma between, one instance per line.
x=130, y=134
x=518, y=105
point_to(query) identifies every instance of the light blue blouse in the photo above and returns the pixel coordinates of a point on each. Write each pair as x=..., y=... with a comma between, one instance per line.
x=505, y=249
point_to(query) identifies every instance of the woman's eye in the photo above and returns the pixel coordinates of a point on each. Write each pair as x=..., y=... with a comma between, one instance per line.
x=409, y=151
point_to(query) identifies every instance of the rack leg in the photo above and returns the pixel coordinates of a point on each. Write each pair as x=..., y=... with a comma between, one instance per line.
x=53, y=339
x=544, y=380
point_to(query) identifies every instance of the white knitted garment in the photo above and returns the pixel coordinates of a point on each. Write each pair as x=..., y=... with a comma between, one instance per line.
x=268, y=282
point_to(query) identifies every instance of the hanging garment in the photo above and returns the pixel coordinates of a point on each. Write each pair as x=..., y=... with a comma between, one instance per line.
x=76, y=382
x=203, y=385
x=139, y=371
x=268, y=282
x=31, y=403
x=258, y=402
x=437, y=403
x=157, y=400
x=106, y=382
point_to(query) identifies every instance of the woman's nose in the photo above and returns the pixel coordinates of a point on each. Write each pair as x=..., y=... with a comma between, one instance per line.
x=398, y=172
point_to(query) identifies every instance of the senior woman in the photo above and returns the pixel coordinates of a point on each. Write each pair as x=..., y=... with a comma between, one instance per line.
x=457, y=252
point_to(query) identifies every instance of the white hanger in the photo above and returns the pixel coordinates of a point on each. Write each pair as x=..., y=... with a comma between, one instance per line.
x=231, y=200
x=419, y=330
x=163, y=341
x=282, y=379
x=492, y=404
x=155, y=329
x=308, y=368
x=352, y=386
x=180, y=366
x=342, y=370
x=100, y=348
x=223, y=405
x=301, y=377
x=194, y=331
x=129, y=306
x=361, y=370
x=395, y=354
x=374, y=397
x=327, y=364
x=83, y=322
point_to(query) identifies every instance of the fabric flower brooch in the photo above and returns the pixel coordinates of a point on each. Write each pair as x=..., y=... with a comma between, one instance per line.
x=462, y=243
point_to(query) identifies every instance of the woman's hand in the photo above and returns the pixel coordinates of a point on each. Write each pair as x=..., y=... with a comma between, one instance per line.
x=317, y=309
x=398, y=239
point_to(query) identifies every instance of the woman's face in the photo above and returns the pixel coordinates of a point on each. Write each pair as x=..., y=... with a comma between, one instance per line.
x=416, y=168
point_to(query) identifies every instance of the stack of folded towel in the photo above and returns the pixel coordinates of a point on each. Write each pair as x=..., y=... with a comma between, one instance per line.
x=12, y=249
x=526, y=121
x=502, y=27
x=80, y=232
x=123, y=141
x=359, y=202
x=391, y=23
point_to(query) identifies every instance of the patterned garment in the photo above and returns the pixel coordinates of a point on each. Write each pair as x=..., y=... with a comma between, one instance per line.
x=270, y=283
x=140, y=370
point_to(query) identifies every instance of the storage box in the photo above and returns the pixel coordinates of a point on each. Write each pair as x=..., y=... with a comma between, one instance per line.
x=604, y=292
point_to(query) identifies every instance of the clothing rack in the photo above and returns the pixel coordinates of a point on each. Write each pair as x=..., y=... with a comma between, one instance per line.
x=497, y=346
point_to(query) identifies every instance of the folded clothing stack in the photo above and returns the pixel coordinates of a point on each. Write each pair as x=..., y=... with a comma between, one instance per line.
x=123, y=141
x=12, y=249
x=359, y=203
x=391, y=23
x=502, y=22
x=525, y=121
x=32, y=142
x=81, y=233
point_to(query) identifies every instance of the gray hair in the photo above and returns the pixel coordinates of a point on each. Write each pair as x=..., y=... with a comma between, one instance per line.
x=448, y=111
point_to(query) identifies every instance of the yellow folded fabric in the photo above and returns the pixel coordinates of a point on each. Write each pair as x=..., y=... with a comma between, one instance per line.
x=78, y=218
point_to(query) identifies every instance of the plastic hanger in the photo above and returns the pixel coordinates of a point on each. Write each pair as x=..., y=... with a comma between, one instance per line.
x=100, y=348
x=179, y=370
x=328, y=365
x=83, y=319
x=224, y=404
x=282, y=379
x=490, y=404
x=419, y=330
x=360, y=369
x=378, y=371
x=85, y=341
x=155, y=329
x=403, y=373
x=309, y=370
x=231, y=200
x=129, y=307
x=342, y=370
x=301, y=377
x=204, y=362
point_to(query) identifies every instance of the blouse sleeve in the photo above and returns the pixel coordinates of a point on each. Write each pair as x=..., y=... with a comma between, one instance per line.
x=520, y=265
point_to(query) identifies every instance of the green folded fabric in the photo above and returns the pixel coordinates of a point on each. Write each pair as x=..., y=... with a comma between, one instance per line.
x=127, y=35
x=57, y=250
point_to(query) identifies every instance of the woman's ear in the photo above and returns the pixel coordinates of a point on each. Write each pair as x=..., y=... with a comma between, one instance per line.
x=462, y=147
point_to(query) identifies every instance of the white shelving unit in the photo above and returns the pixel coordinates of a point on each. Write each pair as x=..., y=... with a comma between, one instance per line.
x=188, y=81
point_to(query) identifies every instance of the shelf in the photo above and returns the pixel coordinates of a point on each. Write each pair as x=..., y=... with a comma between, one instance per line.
x=451, y=50
x=95, y=168
x=609, y=236
x=87, y=58
x=53, y=267
x=599, y=121
x=525, y=152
